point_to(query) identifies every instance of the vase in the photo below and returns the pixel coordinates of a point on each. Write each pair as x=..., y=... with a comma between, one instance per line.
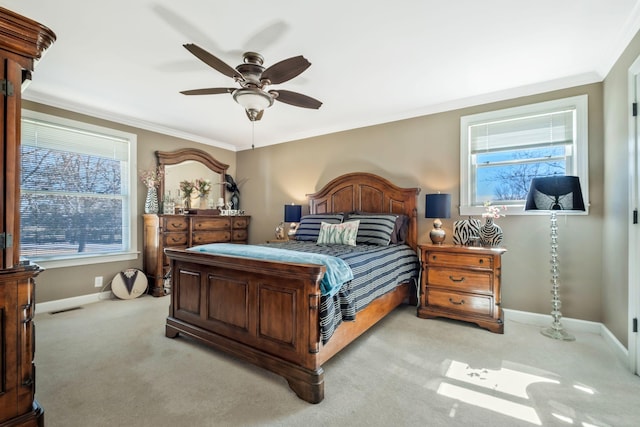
x=465, y=230
x=490, y=233
x=151, y=202
x=235, y=201
x=187, y=202
x=202, y=201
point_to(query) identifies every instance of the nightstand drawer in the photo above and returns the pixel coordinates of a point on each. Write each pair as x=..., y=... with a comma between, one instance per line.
x=465, y=303
x=470, y=260
x=463, y=280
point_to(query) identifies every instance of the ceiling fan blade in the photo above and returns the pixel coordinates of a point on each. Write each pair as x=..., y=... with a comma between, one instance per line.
x=212, y=61
x=285, y=70
x=208, y=91
x=294, y=98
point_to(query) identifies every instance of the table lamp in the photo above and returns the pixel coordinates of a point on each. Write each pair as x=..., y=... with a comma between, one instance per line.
x=437, y=206
x=292, y=215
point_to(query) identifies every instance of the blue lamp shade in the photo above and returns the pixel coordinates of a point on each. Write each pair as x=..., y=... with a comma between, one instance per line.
x=292, y=213
x=555, y=193
x=438, y=206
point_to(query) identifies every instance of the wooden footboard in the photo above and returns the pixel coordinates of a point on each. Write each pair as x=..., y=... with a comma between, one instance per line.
x=266, y=313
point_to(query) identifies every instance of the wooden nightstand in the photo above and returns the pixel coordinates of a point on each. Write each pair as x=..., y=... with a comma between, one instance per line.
x=463, y=283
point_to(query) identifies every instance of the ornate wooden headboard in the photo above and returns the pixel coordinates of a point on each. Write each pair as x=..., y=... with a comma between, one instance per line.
x=366, y=192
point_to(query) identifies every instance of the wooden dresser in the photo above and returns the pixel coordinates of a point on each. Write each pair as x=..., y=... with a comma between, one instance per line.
x=183, y=231
x=463, y=283
x=22, y=41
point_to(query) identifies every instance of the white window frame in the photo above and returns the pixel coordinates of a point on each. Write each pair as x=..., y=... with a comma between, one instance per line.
x=132, y=245
x=580, y=159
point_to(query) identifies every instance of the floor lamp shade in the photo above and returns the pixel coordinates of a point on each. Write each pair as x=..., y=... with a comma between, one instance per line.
x=437, y=206
x=553, y=194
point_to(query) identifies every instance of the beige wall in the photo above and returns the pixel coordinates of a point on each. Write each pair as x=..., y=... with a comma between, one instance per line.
x=424, y=152
x=60, y=283
x=617, y=212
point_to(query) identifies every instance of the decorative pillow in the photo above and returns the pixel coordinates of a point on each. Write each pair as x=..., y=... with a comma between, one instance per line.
x=400, y=229
x=375, y=229
x=309, y=225
x=338, y=234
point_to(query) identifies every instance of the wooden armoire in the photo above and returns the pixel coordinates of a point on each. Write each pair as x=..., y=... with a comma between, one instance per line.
x=22, y=41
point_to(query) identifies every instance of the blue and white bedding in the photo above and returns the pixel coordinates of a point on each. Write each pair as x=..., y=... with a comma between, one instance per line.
x=377, y=270
x=338, y=271
x=356, y=275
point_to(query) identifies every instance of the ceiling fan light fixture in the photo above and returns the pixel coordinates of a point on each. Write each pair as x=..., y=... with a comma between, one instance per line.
x=252, y=99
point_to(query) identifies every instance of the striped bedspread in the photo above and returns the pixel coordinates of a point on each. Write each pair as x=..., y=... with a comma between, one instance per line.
x=376, y=271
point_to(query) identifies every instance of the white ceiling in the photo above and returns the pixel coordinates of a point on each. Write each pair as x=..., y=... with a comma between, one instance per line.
x=372, y=61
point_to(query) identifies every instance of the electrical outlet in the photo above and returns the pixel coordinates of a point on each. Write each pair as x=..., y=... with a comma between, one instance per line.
x=97, y=281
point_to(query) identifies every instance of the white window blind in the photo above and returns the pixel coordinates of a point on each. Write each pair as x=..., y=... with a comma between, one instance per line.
x=78, y=193
x=501, y=151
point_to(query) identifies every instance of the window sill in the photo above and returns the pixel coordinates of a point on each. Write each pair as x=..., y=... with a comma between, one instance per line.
x=85, y=260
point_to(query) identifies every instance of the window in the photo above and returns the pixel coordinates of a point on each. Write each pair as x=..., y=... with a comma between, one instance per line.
x=78, y=192
x=501, y=151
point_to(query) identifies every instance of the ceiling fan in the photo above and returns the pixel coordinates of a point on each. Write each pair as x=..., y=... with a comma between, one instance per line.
x=253, y=79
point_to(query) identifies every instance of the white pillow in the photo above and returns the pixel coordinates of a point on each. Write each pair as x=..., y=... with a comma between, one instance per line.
x=338, y=234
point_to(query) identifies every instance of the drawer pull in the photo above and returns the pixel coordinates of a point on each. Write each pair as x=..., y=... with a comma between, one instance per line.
x=461, y=302
x=453, y=279
x=481, y=261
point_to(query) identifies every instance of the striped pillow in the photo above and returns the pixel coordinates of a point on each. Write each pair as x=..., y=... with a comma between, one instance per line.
x=338, y=234
x=375, y=229
x=309, y=226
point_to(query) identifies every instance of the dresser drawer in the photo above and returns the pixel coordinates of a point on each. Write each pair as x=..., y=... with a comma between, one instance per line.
x=175, y=223
x=174, y=239
x=240, y=235
x=240, y=222
x=460, y=279
x=207, y=224
x=204, y=237
x=464, y=303
x=460, y=259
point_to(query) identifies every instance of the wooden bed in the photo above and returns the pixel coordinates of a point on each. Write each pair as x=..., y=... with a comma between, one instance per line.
x=267, y=312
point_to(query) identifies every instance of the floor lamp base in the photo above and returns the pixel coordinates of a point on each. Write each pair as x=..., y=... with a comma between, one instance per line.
x=557, y=334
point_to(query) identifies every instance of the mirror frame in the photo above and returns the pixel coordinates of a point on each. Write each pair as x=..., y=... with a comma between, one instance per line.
x=184, y=154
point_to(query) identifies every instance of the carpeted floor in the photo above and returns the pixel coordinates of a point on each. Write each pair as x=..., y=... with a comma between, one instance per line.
x=109, y=364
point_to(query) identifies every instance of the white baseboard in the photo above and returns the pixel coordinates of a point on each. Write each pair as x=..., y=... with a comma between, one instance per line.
x=69, y=303
x=570, y=324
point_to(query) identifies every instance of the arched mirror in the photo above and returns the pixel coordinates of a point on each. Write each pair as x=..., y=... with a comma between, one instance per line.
x=190, y=164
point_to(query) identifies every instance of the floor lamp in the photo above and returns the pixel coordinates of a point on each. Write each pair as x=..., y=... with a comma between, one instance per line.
x=553, y=194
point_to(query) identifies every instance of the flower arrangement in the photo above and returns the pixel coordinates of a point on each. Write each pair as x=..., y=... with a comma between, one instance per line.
x=203, y=186
x=492, y=211
x=187, y=188
x=151, y=177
